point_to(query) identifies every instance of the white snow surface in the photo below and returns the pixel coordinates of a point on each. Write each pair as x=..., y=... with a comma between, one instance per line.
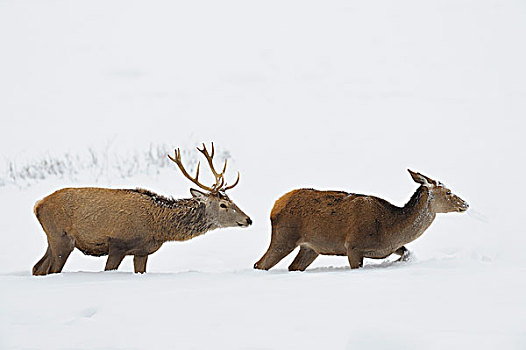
x=342, y=95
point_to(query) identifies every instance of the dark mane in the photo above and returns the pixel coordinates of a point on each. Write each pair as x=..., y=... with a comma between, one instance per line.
x=157, y=198
x=188, y=217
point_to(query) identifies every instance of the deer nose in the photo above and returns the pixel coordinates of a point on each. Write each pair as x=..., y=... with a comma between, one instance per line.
x=249, y=221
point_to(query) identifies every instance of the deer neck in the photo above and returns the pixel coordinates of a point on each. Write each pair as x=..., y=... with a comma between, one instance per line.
x=417, y=215
x=185, y=219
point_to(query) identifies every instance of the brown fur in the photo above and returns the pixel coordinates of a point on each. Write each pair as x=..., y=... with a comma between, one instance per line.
x=340, y=223
x=117, y=222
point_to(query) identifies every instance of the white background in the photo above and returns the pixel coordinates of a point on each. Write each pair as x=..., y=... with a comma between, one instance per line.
x=339, y=95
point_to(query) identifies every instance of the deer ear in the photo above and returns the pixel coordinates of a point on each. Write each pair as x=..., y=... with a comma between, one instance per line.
x=197, y=194
x=421, y=179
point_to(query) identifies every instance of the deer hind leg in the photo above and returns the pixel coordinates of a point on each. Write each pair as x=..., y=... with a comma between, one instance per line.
x=60, y=246
x=274, y=254
x=43, y=265
x=404, y=253
x=304, y=258
x=139, y=263
x=282, y=244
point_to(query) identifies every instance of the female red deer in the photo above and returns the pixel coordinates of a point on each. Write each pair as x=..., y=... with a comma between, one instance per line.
x=120, y=222
x=359, y=226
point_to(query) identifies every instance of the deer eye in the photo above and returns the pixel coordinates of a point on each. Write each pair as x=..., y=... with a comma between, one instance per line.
x=448, y=193
x=222, y=205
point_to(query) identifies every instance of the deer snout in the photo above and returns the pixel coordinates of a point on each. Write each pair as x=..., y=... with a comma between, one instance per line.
x=247, y=222
x=463, y=207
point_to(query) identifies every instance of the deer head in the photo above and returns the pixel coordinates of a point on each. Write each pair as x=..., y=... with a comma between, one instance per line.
x=442, y=200
x=218, y=205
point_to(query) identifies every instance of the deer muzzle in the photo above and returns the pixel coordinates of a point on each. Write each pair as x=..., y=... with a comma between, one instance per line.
x=247, y=223
x=463, y=207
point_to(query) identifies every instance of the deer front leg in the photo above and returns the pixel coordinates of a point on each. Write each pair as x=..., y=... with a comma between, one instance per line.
x=114, y=260
x=404, y=253
x=116, y=253
x=139, y=263
x=355, y=258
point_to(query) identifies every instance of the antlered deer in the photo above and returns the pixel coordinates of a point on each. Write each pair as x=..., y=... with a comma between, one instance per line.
x=120, y=222
x=358, y=226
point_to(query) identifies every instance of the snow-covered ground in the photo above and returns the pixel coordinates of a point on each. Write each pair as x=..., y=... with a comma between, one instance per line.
x=334, y=95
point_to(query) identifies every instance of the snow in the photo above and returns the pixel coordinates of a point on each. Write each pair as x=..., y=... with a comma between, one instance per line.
x=428, y=306
x=335, y=95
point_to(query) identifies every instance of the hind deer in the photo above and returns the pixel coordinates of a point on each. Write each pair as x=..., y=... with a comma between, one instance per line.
x=120, y=222
x=358, y=226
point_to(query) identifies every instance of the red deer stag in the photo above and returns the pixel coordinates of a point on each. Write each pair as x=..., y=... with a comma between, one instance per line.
x=358, y=226
x=120, y=222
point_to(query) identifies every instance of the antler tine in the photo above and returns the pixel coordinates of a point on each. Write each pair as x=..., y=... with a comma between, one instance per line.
x=232, y=186
x=197, y=171
x=224, y=167
x=219, y=176
x=177, y=160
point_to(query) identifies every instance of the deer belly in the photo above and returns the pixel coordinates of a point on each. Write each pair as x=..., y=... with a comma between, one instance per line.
x=92, y=248
x=379, y=254
x=325, y=244
x=89, y=242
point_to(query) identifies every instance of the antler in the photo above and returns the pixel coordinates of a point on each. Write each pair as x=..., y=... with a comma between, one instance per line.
x=220, y=184
x=220, y=181
x=177, y=160
x=235, y=183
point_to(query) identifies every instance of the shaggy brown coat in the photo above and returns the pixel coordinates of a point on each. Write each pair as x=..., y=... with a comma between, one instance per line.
x=120, y=222
x=358, y=226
